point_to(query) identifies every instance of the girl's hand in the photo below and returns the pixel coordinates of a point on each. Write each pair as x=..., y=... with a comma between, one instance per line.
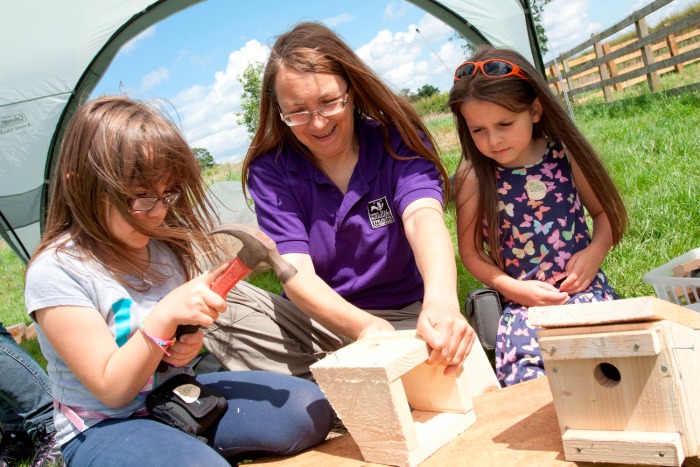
x=448, y=335
x=185, y=349
x=538, y=293
x=581, y=269
x=192, y=303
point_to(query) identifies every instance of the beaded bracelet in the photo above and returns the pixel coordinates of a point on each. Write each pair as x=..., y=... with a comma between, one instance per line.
x=163, y=344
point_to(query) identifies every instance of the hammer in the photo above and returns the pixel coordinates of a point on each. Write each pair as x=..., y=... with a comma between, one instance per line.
x=257, y=248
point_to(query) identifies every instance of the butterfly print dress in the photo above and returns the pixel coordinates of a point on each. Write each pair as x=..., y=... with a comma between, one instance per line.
x=542, y=224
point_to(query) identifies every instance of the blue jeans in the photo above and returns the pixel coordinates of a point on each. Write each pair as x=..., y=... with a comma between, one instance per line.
x=26, y=403
x=268, y=413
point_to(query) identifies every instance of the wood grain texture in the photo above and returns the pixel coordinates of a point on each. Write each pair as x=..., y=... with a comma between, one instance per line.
x=617, y=311
x=515, y=427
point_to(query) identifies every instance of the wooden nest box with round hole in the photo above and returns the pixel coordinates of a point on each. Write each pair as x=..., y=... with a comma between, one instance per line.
x=625, y=377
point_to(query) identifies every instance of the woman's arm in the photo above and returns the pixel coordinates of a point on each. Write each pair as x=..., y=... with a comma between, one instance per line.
x=440, y=323
x=320, y=302
x=583, y=266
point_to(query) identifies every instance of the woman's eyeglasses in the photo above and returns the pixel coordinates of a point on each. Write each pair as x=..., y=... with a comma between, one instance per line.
x=325, y=110
x=146, y=203
x=494, y=68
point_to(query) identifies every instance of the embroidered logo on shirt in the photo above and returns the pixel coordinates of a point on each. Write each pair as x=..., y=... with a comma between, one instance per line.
x=379, y=213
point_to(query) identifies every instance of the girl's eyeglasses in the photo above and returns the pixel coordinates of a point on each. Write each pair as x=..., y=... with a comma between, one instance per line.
x=494, y=68
x=146, y=203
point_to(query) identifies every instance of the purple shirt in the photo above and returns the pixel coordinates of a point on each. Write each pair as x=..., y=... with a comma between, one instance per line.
x=357, y=242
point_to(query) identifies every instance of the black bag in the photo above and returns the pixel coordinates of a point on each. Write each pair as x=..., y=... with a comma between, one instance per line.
x=483, y=311
x=192, y=412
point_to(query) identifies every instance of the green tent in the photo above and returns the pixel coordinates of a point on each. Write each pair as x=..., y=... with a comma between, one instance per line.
x=55, y=52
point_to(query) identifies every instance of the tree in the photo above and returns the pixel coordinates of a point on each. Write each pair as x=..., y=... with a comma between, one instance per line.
x=426, y=91
x=204, y=157
x=537, y=7
x=251, y=81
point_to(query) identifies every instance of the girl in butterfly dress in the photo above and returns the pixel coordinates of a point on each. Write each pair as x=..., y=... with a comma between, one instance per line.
x=522, y=192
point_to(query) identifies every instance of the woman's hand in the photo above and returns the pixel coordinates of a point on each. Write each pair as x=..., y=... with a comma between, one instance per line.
x=448, y=335
x=375, y=325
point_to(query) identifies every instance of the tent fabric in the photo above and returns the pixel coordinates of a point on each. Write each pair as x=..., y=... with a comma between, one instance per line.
x=57, y=50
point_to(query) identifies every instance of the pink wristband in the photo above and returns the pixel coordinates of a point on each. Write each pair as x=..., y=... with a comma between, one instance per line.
x=163, y=344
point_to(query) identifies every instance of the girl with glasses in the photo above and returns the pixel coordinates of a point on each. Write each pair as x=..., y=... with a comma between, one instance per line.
x=522, y=193
x=117, y=270
x=347, y=181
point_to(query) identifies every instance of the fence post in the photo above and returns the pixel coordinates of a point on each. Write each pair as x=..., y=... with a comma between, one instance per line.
x=603, y=71
x=565, y=66
x=673, y=49
x=557, y=84
x=612, y=67
x=647, y=54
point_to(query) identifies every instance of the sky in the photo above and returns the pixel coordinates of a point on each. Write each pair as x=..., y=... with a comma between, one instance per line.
x=193, y=59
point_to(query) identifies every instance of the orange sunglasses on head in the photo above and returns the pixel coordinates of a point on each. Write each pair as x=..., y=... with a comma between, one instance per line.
x=494, y=68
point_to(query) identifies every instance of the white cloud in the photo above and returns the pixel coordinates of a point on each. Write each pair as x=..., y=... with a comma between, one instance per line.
x=407, y=59
x=567, y=25
x=134, y=42
x=395, y=10
x=208, y=112
x=154, y=78
x=335, y=21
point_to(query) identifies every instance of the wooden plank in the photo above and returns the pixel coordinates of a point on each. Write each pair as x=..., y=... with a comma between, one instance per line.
x=17, y=331
x=617, y=394
x=623, y=446
x=393, y=352
x=373, y=383
x=616, y=311
x=684, y=57
x=599, y=345
x=427, y=388
x=682, y=270
x=506, y=434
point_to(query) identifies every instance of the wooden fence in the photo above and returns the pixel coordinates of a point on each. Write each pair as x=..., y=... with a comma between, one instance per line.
x=598, y=65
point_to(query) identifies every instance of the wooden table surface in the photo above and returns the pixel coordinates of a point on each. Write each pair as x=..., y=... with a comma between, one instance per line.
x=515, y=426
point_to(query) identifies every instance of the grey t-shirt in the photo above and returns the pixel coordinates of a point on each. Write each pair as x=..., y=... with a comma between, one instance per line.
x=63, y=280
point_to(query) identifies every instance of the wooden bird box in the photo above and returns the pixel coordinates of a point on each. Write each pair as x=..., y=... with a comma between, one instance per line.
x=398, y=409
x=624, y=377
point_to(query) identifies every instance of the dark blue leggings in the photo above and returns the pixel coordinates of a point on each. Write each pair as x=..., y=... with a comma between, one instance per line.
x=267, y=413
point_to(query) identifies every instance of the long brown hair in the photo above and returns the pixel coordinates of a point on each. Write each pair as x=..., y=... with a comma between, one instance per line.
x=313, y=48
x=112, y=146
x=517, y=95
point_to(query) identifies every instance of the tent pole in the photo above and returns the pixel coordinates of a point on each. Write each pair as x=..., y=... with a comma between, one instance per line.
x=14, y=234
x=534, y=43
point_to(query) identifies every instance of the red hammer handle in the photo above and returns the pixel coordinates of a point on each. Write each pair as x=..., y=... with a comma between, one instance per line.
x=235, y=271
x=222, y=285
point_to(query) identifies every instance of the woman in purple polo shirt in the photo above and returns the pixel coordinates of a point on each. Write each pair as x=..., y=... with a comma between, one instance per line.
x=346, y=181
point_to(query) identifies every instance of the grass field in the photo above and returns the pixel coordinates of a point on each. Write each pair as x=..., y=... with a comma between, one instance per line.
x=650, y=145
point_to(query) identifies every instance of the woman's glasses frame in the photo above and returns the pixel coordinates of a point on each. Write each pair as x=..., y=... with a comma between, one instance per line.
x=494, y=68
x=146, y=203
x=325, y=110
